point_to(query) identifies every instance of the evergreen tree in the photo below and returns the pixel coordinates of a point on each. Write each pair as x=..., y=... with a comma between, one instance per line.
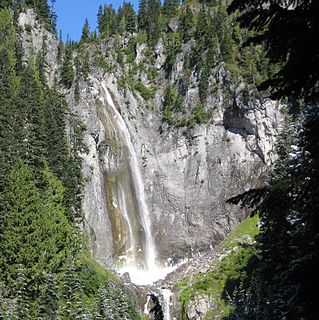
x=41, y=62
x=5, y=4
x=48, y=301
x=85, y=31
x=60, y=47
x=109, y=23
x=31, y=98
x=22, y=306
x=100, y=19
x=153, y=20
x=287, y=260
x=7, y=114
x=130, y=17
x=142, y=15
x=186, y=23
x=170, y=7
x=295, y=26
x=21, y=245
x=121, y=23
x=57, y=233
x=36, y=233
x=67, y=74
x=85, y=66
x=204, y=83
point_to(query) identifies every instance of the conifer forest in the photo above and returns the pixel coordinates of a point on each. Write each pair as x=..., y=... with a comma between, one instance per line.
x=164, y=166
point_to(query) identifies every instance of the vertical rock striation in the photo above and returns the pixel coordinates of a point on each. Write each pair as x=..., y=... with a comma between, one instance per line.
x=188, y=173
x=187, y=177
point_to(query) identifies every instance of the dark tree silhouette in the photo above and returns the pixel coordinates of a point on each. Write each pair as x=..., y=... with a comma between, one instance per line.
x=279, y=282
x=289, y=29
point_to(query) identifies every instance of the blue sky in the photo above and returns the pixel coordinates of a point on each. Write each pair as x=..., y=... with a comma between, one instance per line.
x=72, y=14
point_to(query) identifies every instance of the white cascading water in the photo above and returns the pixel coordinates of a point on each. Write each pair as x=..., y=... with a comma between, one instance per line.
x=124, y=212
x=167, y=303
x=150, y=272
x=146, y=311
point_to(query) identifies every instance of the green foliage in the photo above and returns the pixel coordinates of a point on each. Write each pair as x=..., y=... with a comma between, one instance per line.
x=107, y=21
x=288, y=209
x=288, y=30
x=170, y=7
x=172, y=47
x=31, y=108
x=41, y=7
x=67, y=73
x=289, y=204
x=173, y=102
x=172, y=99
x=128, y=13
x=221, y=281
x=199, y=115
x=204, y=83
x=85, y=30
x=146, y=93
x=142, y=15
x=45, y=269
x=186, y=23
x=20, y=241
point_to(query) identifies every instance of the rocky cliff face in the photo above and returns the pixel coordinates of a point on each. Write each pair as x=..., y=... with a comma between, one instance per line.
x=188, y=173
x=36, y=39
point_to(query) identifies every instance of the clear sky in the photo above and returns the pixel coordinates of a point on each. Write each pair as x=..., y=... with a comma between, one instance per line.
x=72, y=14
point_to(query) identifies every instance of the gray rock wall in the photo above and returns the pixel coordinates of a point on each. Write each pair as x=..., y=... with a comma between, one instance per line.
x=188, y=177
x=188, y=173
x=33, y=37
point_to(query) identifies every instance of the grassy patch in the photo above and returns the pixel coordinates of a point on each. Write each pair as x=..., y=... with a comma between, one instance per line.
x=93, y=275
x=221, y=281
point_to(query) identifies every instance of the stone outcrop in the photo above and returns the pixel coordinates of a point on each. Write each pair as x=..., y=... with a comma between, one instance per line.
x=36, y=39
x=188, y=176
x=188, y=173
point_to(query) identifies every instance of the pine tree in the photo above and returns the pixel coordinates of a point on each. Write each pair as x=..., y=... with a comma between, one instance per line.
x=201, y=34
x=169, y=8
x=7, y=114
x=41, y=62
x=154, y=21
x=186, y=23
x=100, y=19
x=56, y=232
x=31, y=106
x=22, y=307
x=21, y=237
x=48, y=300
x=142, y=15
x=72, y=293
x=130, y=17
x=85, y=67
x=204, y=83
x=109, y=23
x=36, y=233
x=85, y=30
x=67, y=74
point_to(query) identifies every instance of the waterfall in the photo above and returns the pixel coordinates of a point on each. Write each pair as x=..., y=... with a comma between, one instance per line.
x=129, y=198
x=167, y=303
x=146, y=305
x=149, y=247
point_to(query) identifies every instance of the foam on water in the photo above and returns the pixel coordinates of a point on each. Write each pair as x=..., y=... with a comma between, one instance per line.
x=146, y=277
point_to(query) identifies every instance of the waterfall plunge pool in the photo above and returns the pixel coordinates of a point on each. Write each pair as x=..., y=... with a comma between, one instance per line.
x=146, y=276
